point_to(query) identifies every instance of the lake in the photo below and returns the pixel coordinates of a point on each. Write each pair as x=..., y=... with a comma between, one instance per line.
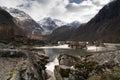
x=54, y=51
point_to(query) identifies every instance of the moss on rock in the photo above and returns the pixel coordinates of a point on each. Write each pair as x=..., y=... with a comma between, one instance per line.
x=64, y=72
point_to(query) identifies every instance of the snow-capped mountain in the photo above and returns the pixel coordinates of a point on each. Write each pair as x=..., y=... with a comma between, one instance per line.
x=17, y=13
x=48, y=24
x=59, y=22
x=25, y=22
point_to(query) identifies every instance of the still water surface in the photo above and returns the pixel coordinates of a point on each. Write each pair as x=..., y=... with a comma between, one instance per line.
x=54, y=51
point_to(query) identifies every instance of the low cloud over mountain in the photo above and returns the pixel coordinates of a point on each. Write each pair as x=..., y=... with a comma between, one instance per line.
x=66, y=10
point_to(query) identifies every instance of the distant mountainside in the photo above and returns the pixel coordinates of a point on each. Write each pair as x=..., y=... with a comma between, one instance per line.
x=65, y=32
x=105, y=26
x=8, y=28
x=75, y=24
x=48, y=24
x=25, y=22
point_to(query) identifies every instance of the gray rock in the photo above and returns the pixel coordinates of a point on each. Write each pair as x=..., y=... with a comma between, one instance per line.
x=96, y=66
x=102, y=58
x=67, y=60
x=21, y=65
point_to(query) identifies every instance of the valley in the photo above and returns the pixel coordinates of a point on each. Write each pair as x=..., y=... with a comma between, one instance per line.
x=62, y=47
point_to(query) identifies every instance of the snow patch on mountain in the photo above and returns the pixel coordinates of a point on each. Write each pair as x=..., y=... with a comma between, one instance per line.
x=17, y=13
x=48, y=24
x=24, y=21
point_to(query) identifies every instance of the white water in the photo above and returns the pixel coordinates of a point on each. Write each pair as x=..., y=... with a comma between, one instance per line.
x=50, y=66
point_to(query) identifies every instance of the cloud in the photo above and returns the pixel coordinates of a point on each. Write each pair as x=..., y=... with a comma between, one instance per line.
x=75, y=1
x=100, y=3
x=76, y=7
x=66, y=10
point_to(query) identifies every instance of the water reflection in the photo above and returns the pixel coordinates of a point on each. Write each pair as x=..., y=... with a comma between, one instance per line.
x=52, y=53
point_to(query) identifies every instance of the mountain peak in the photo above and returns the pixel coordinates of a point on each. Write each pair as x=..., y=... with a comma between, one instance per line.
x=48, y=24
x=47, y=18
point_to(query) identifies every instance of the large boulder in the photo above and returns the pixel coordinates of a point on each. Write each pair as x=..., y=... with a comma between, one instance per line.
x=22, y=65
x=67, y=60
x=96, y=66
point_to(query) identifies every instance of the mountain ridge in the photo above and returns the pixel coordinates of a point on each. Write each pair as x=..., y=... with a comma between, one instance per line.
x=8, y=28
x=48, y=24
x=26, y=23
x=104, y=26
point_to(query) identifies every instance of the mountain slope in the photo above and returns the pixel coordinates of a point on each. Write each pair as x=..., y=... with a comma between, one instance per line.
x=8, y=29
x=48, y=24
x=64, y=32
x=25, y=22
x=104, y=26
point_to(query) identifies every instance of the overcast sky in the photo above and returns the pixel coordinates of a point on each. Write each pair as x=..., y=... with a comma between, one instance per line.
x=66, y=10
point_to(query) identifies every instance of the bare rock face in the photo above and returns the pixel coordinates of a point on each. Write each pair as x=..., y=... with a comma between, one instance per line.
x=96, y=66
x=22, y=65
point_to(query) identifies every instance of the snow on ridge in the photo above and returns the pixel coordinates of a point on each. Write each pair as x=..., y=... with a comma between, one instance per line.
x=17, y=13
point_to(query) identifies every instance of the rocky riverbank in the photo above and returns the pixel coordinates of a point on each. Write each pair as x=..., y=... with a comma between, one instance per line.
x=18, y=64
x=22, y=65
x=97, y=66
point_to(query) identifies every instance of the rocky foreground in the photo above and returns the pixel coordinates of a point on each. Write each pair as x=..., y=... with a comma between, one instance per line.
x=27, y=65
x=97, y=66
x=22, y=65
